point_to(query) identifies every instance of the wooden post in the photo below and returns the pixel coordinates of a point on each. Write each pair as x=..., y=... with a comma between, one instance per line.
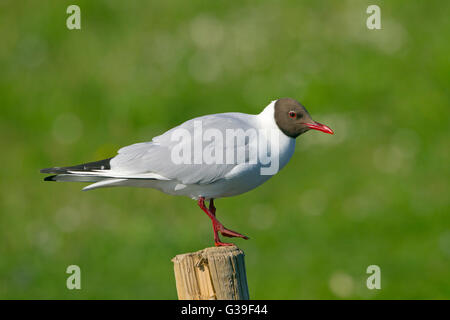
x=216, y=273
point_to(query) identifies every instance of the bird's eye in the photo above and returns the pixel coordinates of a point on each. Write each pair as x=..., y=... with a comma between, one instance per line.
x=292, y=114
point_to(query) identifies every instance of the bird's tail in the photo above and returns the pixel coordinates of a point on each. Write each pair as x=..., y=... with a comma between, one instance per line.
x=86, y=172
x=100, y=173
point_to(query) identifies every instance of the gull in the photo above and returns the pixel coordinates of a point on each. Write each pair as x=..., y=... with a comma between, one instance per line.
x=214, y=168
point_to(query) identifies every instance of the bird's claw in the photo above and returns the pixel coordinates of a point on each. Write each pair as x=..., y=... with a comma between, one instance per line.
x=223, y=244
x=230, y=233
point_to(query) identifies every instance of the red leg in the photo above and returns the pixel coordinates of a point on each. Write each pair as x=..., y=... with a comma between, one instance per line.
x=212, y=209
x=217, y=226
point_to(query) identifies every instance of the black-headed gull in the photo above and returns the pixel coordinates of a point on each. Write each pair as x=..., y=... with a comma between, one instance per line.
x=205, y=158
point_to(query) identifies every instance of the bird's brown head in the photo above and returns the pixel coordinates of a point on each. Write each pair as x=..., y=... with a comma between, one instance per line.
x=293, y=119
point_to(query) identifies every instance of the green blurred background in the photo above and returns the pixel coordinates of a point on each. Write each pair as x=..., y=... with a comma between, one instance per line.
x=377, y=192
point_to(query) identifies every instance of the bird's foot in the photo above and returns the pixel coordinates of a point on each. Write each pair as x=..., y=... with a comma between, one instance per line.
x=218, y=226
x=223, y=244
x=229, y=233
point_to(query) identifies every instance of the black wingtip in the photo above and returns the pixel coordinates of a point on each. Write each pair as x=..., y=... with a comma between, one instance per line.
x=53, y=170
x=96, y=165
x=50, y=178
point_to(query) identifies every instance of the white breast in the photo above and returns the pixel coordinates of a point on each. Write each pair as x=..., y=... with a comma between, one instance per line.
x=284, y=144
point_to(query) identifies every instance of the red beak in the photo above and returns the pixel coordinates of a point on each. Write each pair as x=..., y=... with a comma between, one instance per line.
x=320, y=127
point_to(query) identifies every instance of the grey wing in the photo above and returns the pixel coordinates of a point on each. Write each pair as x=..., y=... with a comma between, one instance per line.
x=158, y=156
